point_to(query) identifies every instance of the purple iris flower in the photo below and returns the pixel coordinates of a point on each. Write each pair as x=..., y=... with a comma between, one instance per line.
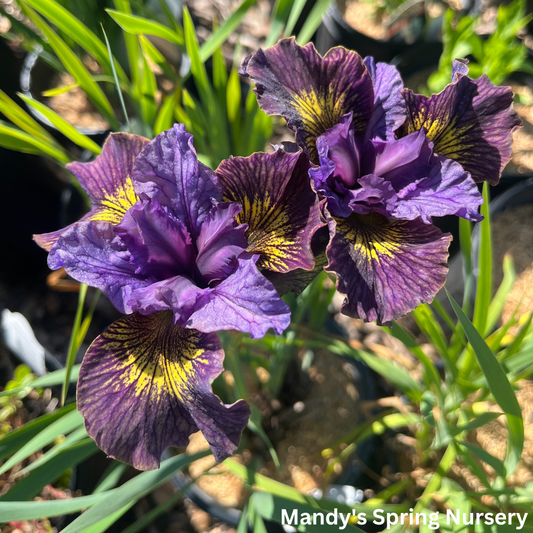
x=387, y=161
x=170, y=247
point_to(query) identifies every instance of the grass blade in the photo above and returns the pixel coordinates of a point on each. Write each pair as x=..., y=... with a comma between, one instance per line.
x=74, y=343
x=77, y=31
x=48, y=472
x=63, y=425
x=20, y=141
x=221, y=34
x=132, y=491
x=76, y=68
x=296, y=11
x=499, y=386
x=17, y=438
x=63, y=126
x=498, y=302
x=280, y=14
x=312, y=22
x=484, y=280
x=141, y=26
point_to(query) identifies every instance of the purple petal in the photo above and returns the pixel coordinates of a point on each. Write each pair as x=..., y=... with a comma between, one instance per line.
x=144, y=385
x=470, y=121
x=159, y=244
x=92, y=253
x=220, y=243
x=389, y=105
x=384, y=268
x=309, y=91
x=178, y=294
x=107, y=181
x=279, y=206
x=376, y=195
x=402, y=161
x=168, y=171
x=447, y=190
x=459, y=68
x=245, y=301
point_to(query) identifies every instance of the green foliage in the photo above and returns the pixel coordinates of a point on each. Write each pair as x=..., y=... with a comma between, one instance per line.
x=498, y=56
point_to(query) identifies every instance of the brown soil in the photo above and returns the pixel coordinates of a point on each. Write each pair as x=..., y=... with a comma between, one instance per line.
x=361, y=17
x=519, y=301
x=512, y=233
x=75, y=107
x=522, y=162
x=299, y=432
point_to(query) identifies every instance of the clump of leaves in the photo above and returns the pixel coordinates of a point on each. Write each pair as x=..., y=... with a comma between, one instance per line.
x=498, y=56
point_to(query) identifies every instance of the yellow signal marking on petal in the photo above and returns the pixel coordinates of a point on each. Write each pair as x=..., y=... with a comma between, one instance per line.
x=371, y=236
x=114, y=206
x=267, y=232
x=152, y=359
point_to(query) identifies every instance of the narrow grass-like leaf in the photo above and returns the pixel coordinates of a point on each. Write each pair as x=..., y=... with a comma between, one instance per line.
x=111, y=477
x=487, y=457
x=430, y=372
x=132, y=491
x=516, y=344
x=484, y=262
x=77, y=31
x=498, y=302
x=48, y=472
x=63, y=126
x=14, y=139
x=165, y=116
x=280, y=15
x=108, y=521
x=74, y=343
x=62, y=426
x=499, y=386
x=17, y=438
x=296, y=11
x=11, y=110
x=312, y=22
x=142, y=26
x=76, y=68
x=117, y=85
x=76, y=436
x=221, y=34
x=13, y=511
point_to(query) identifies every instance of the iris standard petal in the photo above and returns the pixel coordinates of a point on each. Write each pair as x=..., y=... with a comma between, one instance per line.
x=311, y=92
x=447, y=190
x=278, y=204
x=470, y=121
x=144, y=385
x=168, y=171
x=390, y=109
x=245, y=301
x=220, y=243
x=92, y=253
x=159, y=243
x=384, y=268
x=107, y=182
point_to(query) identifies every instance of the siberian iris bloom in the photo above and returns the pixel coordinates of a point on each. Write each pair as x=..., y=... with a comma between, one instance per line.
x=182, y=263
x=387, y=161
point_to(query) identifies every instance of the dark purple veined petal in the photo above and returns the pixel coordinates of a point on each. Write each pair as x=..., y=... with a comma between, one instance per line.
x=470, y=121
x=311, y=92
x=278, y=204
x=144, y=385
x=385, y=269
x=389, y=104
x=245, y=301
x=168, y=171
x=447, y=190
x=107, y=181
x=92, y=253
